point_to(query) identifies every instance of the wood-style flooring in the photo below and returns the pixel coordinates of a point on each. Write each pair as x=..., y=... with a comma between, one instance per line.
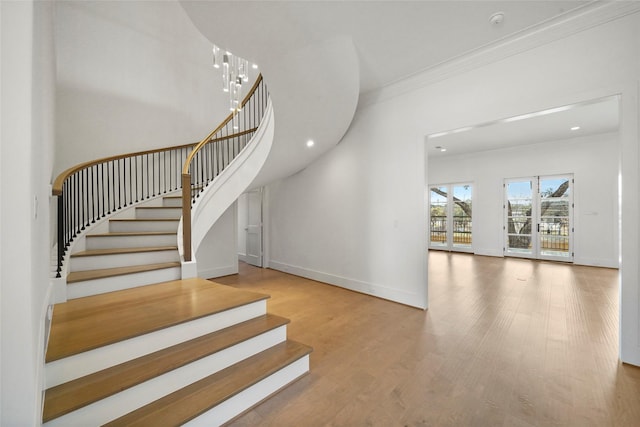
x=505, y=342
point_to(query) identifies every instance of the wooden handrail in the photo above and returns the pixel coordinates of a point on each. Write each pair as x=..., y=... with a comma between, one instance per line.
x=59, y=181
x=234, y=135
x=207, y=139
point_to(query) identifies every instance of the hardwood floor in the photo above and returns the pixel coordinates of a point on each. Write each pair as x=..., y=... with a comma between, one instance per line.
x=505, y=342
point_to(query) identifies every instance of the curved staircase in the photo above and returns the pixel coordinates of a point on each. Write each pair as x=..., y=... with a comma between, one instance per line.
x=134, y=343
x=125, y=350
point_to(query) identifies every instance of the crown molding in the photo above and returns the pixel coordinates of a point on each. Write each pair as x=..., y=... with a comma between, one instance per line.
x=588, y=16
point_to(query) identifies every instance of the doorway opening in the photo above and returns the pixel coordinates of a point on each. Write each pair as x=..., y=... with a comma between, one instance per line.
x=250, y=227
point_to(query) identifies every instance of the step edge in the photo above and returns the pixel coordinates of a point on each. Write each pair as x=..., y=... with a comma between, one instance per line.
x=89, y=253
x=271, y=323
x=144, y=219
x=256, y=298
x=133, y=233
x=300, y=353
x=150, y=267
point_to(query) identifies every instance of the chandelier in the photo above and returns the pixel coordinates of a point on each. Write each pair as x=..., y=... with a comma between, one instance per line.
x=235, y=72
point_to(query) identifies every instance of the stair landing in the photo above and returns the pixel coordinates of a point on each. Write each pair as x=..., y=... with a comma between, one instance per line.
x=87, y=323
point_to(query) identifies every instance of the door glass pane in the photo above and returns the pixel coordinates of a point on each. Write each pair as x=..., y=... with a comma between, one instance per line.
x=438, y=216
x=519, y=220
x=554, y=216
x=462, y=215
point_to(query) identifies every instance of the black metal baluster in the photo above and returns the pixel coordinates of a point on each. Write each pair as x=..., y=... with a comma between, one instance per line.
x=153, y=173
x=130, y=183
x=93, y=195
x=80, y=201
x=119, y=176
x=145, y=174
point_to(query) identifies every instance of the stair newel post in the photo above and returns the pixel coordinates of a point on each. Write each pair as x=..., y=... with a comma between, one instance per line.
x=186, y=215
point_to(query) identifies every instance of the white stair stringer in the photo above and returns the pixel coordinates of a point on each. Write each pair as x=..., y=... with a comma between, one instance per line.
x=128, y=400
x=82, y=364
x=230, y=184
x=253, y=395
x=87, y=288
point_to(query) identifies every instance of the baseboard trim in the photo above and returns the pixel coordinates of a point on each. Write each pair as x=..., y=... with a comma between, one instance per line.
x=595, y=262
x=212, y=273
x=488, y=252
x=380, y=291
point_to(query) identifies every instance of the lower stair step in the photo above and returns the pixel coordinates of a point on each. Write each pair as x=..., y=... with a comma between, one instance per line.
x=200, y=400
x=87, y=323
x=131, y=239
x=81, y=276
x=94, y=333
x=69, y=397
x=122, y=257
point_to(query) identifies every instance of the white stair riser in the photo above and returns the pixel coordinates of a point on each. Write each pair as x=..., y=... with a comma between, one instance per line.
x=88, y=362
x=131, y=226
x=253, y=395
x=97, y=262
x=114, y=242
x=172, y=202
x=159, y=213
x=117, y=283
x=133, y=398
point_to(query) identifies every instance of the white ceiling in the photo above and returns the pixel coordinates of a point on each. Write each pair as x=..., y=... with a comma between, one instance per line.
x=318, y=56
x=592, y=117
x=393, y=39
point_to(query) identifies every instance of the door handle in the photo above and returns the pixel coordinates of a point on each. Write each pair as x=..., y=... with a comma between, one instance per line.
x=538, y=228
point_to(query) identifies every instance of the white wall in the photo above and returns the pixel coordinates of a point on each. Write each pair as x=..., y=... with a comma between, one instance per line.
x=217, y=255
x=357, y=217
x=594, y=162
x=28, y=85
x=131, y=76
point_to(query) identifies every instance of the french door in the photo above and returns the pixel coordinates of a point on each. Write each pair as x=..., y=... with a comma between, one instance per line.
x=538, y=217
x=450, y=213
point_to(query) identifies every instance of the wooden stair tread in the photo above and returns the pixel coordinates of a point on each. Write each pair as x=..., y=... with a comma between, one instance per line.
x=75, y=394
x=133, y=233
x=81, y=276
x=143, y=219
x=195, y=399
x=117, y=251
x=172, y=197
x=158, y=207
x=87, y=323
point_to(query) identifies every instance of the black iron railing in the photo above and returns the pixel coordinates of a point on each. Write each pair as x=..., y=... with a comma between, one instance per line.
x=93, y=190
x=462, y=229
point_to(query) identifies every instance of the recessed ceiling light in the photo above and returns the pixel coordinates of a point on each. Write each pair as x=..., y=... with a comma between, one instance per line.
x=496, y=18
x=310, y=143
x=255, y=66
x=575, y=128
